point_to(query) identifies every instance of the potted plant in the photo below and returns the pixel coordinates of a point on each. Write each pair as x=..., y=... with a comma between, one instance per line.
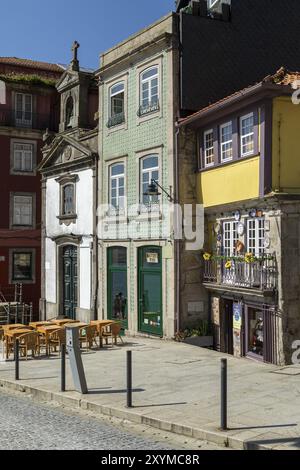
x=200, y=336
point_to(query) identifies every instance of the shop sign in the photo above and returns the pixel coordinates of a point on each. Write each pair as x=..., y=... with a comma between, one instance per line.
x=237, y=316
x=152, y=258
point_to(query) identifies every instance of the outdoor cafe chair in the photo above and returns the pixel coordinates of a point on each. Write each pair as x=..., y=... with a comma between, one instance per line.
x=29, y=342
x=113, y=331
x=56, y=339
x=116, y=329
x=87, y=335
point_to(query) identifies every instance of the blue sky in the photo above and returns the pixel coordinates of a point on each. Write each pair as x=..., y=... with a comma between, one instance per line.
x=45, y=30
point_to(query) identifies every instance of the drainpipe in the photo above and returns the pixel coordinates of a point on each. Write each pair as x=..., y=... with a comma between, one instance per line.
x=95, y=238
x=177, y=242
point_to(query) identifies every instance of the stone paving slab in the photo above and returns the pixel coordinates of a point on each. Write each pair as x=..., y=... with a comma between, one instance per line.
x=176, y=388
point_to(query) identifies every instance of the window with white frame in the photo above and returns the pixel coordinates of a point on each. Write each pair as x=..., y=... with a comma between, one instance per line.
x=117, y=186
x=226, y=142
x=23, y=158
x=23, y=210
x=208, y=138
x=23, y=109
x=149, y=171
x=149, y=93
x=247, y=134
x=230, y=237
x=117, y=104
x=255, y=236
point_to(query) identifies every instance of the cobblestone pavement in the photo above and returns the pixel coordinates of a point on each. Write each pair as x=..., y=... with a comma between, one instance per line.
x=26, y=425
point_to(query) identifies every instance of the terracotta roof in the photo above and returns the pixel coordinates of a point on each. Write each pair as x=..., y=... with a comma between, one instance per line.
x=282, y=77
x=33, y=64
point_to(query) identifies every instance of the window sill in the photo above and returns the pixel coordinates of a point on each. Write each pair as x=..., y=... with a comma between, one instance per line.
x=148, y=116
x=67, y=219
x=23, y=281
x=22, y=173
x=118, y=127
x=22, y=227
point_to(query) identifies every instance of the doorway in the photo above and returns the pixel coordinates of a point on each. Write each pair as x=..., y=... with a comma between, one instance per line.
x=70, y=281
x=150, y=290
x=227, y=327
x=117, y=301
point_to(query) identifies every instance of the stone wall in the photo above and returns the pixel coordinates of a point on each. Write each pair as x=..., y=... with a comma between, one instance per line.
x=194, y=297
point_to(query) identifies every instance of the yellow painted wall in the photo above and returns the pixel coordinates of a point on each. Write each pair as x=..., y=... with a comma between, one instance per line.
x=286, y=146
x=238, y=181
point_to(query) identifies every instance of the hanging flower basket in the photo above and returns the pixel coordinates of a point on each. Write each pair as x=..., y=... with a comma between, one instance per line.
x=249, y=258
x=207, y=256
x=228, y=265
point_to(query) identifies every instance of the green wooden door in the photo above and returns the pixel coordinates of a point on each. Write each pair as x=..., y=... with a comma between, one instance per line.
x=117, y=308
x=70, y=281
x=150, y=291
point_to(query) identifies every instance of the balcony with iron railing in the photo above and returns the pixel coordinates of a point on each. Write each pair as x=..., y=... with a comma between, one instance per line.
x=116, y=120
x=258, y=273
x=27, y=120
x=151, y=107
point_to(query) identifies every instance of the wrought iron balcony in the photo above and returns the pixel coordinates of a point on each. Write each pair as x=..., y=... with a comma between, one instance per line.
x=116, y=120
x=27, y=120
x=150, y=107
x=260, y=274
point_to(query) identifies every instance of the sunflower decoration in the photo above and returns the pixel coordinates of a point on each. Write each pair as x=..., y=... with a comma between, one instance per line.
x=207, y=256
x=249, y=258
x=228, y=265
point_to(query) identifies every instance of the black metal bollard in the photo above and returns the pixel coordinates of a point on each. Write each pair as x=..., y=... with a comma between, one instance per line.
x=63, y=368
x=129, y=379
x=17, y=360
x=224, y=394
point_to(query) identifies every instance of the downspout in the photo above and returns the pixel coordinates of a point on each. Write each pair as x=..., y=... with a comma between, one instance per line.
x=96, y=249
x=177, y=242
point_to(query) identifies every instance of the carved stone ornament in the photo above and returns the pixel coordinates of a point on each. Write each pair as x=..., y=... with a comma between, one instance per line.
x=67, y=153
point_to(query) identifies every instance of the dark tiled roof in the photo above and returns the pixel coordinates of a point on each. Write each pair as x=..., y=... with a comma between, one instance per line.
x=282, y=77
x=33, y=64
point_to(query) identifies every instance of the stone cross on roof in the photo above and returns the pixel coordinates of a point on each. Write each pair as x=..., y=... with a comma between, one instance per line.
x=75, y=61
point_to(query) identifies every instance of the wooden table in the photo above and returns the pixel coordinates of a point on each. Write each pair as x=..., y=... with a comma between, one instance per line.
x=46, y=331
x=36, y=324
x=63, y=322
x=76, y=325
x=14, y=326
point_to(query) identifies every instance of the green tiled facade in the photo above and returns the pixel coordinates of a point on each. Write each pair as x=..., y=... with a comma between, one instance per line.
x=138, y=137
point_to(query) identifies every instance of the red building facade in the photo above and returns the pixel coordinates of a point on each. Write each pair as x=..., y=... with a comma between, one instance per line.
x=29, y=106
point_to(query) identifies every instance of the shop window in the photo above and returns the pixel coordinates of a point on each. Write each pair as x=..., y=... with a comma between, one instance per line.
x=255, y=329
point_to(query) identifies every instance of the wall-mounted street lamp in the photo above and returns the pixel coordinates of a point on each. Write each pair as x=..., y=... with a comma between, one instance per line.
x=153, y=190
